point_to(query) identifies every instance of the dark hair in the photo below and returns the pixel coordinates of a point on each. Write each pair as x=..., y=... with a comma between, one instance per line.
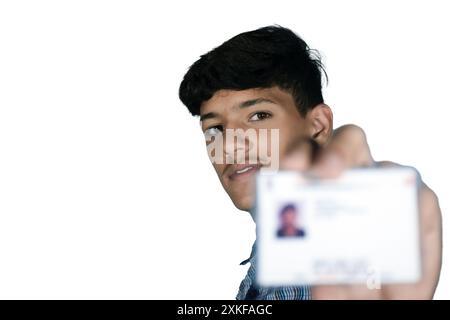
x=262, y=58
x=287, y=208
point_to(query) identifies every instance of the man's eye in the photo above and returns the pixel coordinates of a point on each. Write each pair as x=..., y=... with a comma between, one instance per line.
x=258, y=116
x=213, y=130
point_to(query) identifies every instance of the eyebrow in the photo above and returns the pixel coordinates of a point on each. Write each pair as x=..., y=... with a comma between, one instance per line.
x=252, y=102
x=208, y=115
x=242, y=105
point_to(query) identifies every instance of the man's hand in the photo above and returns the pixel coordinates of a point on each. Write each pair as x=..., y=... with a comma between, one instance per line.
x=348, y=148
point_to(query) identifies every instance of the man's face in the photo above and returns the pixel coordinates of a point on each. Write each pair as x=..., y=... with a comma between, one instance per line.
x=289, y=219
x=255, y=109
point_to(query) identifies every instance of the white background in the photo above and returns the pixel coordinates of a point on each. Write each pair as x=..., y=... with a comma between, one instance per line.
x=105, y=186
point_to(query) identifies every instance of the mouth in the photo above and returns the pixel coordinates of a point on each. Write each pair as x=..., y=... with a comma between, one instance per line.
x=242, y=171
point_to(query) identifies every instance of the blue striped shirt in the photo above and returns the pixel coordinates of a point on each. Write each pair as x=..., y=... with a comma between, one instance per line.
x=249, y=290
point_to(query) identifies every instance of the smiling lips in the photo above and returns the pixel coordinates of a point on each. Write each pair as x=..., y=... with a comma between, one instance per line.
x=243, y=170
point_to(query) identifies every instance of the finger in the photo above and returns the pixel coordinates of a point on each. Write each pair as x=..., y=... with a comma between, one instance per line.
x=347, y=148
x=345, y=292
x=300, y=154
x=326, y=292
x=350, y=143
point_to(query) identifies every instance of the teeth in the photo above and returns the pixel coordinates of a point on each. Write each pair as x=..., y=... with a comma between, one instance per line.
x=244, y=170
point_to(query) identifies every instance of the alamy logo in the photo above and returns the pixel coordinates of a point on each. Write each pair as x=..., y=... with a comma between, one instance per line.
x=251, y=146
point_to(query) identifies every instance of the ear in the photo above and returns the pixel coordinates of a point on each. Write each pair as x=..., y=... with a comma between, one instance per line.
x=320, y=119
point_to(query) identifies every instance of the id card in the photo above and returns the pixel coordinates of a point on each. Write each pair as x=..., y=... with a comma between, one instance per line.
x=359, y=227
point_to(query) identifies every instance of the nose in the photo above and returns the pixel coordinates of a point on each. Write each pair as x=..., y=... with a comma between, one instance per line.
x=239, y=144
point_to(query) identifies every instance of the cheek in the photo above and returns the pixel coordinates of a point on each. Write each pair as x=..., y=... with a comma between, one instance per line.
x=290, y=134
x=218, y=168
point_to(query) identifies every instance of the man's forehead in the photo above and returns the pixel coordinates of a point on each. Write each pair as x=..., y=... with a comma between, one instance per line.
x=224, y=99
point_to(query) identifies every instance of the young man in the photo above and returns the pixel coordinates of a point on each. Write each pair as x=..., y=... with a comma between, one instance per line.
x=269, y=79
x=289, y=224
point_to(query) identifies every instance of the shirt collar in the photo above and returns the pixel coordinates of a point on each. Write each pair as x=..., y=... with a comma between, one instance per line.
x=252, y=254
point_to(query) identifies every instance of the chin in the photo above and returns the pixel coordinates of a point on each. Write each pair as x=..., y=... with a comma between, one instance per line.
x=241, y=195
x=243, y=203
